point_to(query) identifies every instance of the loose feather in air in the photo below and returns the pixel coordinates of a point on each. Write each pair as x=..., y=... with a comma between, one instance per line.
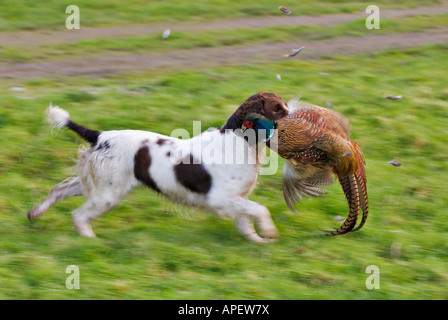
x=294, y=52
x=166, y=33
x=391, y=97
x=285, y=10
x=395, y=163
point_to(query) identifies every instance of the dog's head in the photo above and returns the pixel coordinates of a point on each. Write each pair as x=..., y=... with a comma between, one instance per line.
x=260, y=111
x=266, y=104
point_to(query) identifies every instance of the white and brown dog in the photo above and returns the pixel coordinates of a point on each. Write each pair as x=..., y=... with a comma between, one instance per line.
x=120, y=160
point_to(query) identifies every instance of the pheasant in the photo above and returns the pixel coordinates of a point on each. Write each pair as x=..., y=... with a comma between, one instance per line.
x=316, y=145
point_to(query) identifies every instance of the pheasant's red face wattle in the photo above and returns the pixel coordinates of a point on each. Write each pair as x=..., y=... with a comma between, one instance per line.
x=247, y=124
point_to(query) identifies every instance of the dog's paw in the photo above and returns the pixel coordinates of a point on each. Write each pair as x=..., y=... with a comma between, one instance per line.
x=256, y=238
x=84, y=229
x=270, y=234
x=33, y=213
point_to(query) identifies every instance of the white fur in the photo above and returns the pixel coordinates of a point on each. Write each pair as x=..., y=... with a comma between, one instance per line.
x=106, y=175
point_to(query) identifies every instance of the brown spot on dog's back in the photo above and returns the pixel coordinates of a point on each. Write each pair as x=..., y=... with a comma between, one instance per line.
x=193, y=176
x=161, y=141
x=142, y=162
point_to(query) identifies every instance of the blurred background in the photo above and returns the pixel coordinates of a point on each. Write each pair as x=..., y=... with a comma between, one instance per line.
x=121, y=69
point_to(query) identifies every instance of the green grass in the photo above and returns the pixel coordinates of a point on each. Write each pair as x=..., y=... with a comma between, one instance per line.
x=146, y=249
x=29, y=14
x=214, y=38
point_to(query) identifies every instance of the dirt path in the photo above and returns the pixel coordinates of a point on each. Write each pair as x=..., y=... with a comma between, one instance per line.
x=219, y=56
x=37, y=38
x=209, y=57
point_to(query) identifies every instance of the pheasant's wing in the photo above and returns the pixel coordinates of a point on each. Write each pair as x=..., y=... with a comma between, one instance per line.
x=333, y=120
x=312, y=127
x=304, y=179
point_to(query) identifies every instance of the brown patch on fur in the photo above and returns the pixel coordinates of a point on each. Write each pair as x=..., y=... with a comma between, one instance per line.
x=274, y=106
x=161, y=141
x=193, y=176
x=142, y=162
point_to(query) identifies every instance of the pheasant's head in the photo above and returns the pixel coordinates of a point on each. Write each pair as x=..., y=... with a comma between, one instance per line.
x=260, y=125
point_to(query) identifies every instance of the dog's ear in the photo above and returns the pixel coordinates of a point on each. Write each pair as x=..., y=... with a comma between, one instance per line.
x=274, y=107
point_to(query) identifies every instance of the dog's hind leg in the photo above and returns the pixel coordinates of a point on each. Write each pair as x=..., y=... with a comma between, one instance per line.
x=84, y=214
x=98, y=203
x=60, y=192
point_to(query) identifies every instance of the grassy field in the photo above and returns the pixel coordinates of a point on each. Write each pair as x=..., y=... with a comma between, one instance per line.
x=30, y=15
x=148, y=248
x=145, y=249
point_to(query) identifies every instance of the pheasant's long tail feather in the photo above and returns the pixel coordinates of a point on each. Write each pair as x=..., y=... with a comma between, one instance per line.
x=351, y=190
x=354, y=186
x=362, y=187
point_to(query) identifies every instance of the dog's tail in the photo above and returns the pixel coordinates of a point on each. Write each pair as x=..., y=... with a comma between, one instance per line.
x=58, y=118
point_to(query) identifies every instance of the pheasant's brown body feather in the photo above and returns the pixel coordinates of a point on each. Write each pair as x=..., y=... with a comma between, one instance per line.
x=315, y=141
